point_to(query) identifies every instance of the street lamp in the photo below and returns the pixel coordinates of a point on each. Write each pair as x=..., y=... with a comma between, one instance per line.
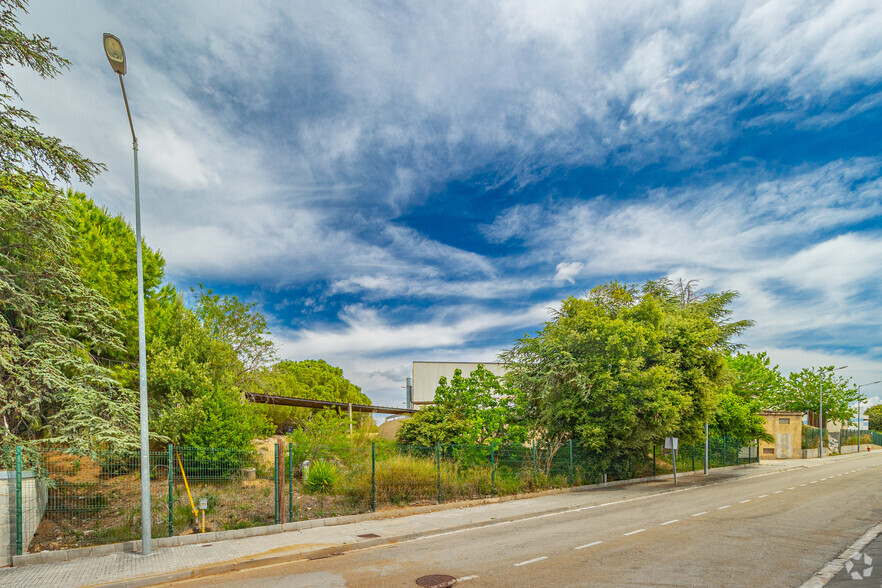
x=859, y=410
x=116, y=55
x=821, y=427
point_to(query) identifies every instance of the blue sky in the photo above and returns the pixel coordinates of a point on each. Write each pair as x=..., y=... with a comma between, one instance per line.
x=423, y=181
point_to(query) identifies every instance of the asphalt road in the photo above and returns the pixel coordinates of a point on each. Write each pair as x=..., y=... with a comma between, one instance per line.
x=764, y=529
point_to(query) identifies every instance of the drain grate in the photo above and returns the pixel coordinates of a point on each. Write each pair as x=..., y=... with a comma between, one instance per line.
x=436, y=581
x=368, y=536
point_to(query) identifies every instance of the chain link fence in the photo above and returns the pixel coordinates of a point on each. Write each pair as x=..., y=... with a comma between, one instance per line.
x=66, y=500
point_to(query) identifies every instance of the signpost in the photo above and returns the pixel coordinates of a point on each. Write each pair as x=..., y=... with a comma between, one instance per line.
x=673, y=443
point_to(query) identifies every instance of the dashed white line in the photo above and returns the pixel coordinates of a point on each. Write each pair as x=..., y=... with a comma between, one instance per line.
x=777, y=492
x=743, y=501
x=813, y=482
x=671, y=522
x=803, y=485
x=529, y=561
x=634, y=532
x=466, y=578
x=698, y=514
x=722, y=507
x=592, y=544
x=763, y=496
x=792, y=488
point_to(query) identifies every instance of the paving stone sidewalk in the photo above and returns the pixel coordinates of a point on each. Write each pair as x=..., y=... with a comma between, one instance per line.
x=187, y=561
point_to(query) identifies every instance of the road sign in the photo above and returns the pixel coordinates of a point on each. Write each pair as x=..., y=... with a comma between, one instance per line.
x=203, y=504
x=671, y=443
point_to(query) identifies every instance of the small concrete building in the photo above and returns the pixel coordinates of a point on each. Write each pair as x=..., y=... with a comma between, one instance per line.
x=786, y=428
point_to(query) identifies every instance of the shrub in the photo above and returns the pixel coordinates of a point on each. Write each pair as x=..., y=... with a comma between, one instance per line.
x=322, y=476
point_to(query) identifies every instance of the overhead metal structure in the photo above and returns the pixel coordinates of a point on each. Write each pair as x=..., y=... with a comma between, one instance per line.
x=310, y=403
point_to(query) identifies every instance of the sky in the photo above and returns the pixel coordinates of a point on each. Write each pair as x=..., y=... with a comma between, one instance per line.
x=400, y=181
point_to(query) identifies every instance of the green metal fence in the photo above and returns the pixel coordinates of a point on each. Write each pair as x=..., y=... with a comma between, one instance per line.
x=95, y=499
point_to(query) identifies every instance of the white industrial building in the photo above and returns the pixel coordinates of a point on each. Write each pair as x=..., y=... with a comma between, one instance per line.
x=427, y=373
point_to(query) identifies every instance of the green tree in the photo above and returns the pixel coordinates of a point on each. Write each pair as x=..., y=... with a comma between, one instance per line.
x=27, y=156
x=313, y=379
x=874, y=415
x=52, y=330
x=754, y=385
x=625, y=366
x=472, y=410
x=803, y=393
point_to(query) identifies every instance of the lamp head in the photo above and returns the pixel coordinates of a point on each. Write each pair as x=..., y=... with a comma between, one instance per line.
x=116, y=55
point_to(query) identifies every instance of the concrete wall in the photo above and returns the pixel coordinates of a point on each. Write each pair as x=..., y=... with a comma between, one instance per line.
x=427, y=373
x=33, y=501
x=786, y=428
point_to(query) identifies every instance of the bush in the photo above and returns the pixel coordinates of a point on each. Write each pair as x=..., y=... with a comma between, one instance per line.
x=322, y=477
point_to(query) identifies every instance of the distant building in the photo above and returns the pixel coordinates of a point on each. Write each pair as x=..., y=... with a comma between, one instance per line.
x=786, y=428
x=427, y=373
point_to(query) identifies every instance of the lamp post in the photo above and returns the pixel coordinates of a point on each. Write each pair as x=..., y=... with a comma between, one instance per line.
x=821, y=427
x=859, y=410
x=116, y=55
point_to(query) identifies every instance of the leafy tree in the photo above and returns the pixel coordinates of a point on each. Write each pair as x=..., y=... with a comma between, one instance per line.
x=28, y=156
x=470, y=410
x=753, y=378
x=620, y=369
x=52, y=327
x=313, y=379
x=874, y=415
x=803, y=393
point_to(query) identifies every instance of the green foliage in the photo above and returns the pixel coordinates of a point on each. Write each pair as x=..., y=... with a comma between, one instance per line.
x=621, y=369
x=322, y=476
x=803, y=393
x=218, y=418
x=874, y=415
x=25, y=152
x=432, y=425
x=470, y=410
x=53, y=329
x=313, y=379
x=754, y=386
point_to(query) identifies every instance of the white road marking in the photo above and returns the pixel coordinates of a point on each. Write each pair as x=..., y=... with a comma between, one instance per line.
x=722, y=507
x=813, y=482
x=763, y=496
x=803, y=485
x=670, y=522
x=743, y=501
x=529, y=561
x=592, y=544
x=465, y=578
x=777, y=492
x=634, y=532
x=792, y=488
x=698, y=514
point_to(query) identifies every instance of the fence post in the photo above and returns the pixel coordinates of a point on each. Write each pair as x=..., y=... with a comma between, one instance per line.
x=534, y=464
x=373, y=477
x=18, y=510
x=693, y=457
x=706, y=447
x=290, y=482
x=276, y=480
x=438, y=462
x=492, y=469
x=171, y=490
x=653, y=460
x=571, y=462
x=724, y=451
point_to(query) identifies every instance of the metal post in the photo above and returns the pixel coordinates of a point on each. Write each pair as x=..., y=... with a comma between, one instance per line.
x=706, y=447
x=171, y=490
x=438, y=462
x=290, y=482
x=653, y=460
x=534, y=464
x=349, y=409
x=374, y=477
x=276, y=480
x=492, y=469
x=724, y=451
x=693, y=457
x=859, y=422
x=674, y=452
x=571, y=463
x=18, y=510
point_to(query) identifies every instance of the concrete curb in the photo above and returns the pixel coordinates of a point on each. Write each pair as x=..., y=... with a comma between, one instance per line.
x=826, y=573
x=29, y=559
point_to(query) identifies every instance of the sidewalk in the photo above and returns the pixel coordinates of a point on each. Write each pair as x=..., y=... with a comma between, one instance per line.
x=213, y=557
